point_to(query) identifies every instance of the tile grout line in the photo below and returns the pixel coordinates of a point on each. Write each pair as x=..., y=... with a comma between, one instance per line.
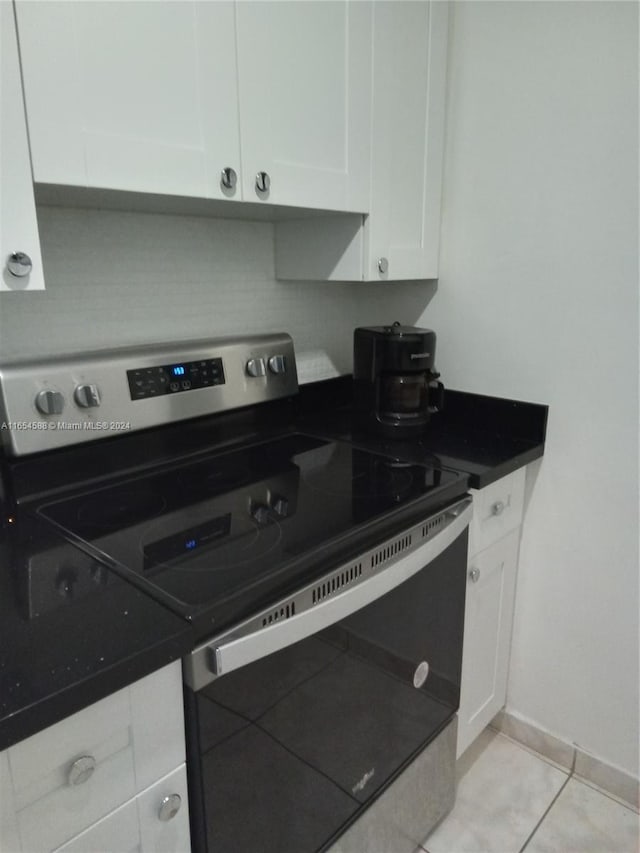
x=552, y=803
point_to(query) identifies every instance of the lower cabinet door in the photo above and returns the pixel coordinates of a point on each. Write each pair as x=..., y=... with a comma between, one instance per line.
x=156, y=821
x=163, y=813
x=491, y=580
x=118, y=831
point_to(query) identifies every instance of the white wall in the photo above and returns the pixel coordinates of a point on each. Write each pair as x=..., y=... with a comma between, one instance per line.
x=120, y=277
x=538, y=300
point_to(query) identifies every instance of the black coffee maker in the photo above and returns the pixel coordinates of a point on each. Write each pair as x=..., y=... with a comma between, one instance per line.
x=395, y=384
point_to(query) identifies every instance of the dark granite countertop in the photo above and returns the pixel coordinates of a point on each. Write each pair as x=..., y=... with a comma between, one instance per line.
x=484, y=437
x=72, y=632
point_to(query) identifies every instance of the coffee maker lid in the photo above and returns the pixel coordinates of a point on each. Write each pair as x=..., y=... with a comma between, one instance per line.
x=396, y=329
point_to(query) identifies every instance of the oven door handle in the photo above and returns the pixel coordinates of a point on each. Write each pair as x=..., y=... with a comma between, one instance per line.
x=245, y=644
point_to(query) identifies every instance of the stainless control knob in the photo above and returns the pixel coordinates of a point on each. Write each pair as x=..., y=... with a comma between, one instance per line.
x=263, y=182
x=277, y=364
x=383, y=265
x=256, y=367
x=474, y=574
x=81, y=770
x=87, y=396
x=228, y=178
x=169, y=807
x=50, y=402
x=19, y=264
x=497, y=508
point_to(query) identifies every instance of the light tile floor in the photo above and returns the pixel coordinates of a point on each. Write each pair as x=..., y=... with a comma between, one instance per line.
x=510, y=800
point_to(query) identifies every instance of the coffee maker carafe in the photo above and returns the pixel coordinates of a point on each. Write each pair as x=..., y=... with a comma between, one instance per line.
x=395, y=383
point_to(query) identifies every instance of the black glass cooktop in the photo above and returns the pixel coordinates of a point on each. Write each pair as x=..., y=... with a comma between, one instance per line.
x=214, y=537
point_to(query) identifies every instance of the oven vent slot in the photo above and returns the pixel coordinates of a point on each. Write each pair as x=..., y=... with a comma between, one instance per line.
x=284, y=612
x=391, y=550
x=432, y=526
x=337, y=582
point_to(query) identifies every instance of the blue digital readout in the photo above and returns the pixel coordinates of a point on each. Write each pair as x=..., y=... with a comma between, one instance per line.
x=190, y=544
x=178, y=370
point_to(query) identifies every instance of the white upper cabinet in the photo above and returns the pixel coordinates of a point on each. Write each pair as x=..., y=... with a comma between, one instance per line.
x=136, y=96
x=19, y=240
x=399, y=239
x=144, y=96
x=304, y=86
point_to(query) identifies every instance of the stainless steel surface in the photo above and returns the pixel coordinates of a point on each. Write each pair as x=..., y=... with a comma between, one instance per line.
x=327, y=600
x=228, y=178
x=474, y=574
x=255, y=367
x=497, y=508
x=49, y=402
x=263, y=182
x=35, y=427
x=383, y=265
x=87, y=396
x=169, y=807
x=81, y=770
x=277, y=364
x=19, y=264
x=412, y=806
x=421, y=674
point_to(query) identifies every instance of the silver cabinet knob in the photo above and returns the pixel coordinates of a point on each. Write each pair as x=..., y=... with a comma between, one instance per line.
x=474, y=574
x=50, y=402
x=228, y=178
x=497, y=508
x=277, y=364
x=169, y=807
x=81, y=770
x=421, y=674
x=19, y=264
x=256, y=367
x=87, y=396
x=383, y=265
x=263, y=182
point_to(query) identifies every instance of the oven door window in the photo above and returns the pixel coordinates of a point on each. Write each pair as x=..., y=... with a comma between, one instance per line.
x=291, y=748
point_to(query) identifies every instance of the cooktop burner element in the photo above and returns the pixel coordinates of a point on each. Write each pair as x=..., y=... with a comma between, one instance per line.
x=209, y=533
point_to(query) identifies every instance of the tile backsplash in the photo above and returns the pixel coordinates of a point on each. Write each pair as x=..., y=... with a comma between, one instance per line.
x=118, y=277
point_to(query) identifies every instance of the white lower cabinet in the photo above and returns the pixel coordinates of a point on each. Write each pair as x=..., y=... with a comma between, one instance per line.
x=153, y=822
x=491, y=586
x=68, y=780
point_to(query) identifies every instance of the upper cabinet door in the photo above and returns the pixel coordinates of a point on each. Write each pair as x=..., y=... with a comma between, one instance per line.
x=409, y=82
x=137, y=96
x=305, y=89
x=19, y=240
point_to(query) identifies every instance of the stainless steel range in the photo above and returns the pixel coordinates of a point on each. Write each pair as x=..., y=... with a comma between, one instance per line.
x=324, y=582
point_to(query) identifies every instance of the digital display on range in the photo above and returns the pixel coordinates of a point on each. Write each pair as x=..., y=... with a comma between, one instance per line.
x=188, y=541
x=145, y=382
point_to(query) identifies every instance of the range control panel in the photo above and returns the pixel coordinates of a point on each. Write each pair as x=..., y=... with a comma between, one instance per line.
x=77, y=398
x=174, y=378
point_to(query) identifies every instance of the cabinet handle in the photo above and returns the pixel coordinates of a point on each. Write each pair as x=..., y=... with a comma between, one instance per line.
x=497, y=508
x=383, y=265
x=474, y=574
x=228, y=178
x=19, y=264
x=169, y=807
x=81, y=770
x=263, y=182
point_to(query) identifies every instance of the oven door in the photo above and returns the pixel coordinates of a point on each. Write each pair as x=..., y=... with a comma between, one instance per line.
x=298, y=719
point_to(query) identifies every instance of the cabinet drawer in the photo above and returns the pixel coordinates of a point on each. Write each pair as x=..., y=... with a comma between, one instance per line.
x=497, y=509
